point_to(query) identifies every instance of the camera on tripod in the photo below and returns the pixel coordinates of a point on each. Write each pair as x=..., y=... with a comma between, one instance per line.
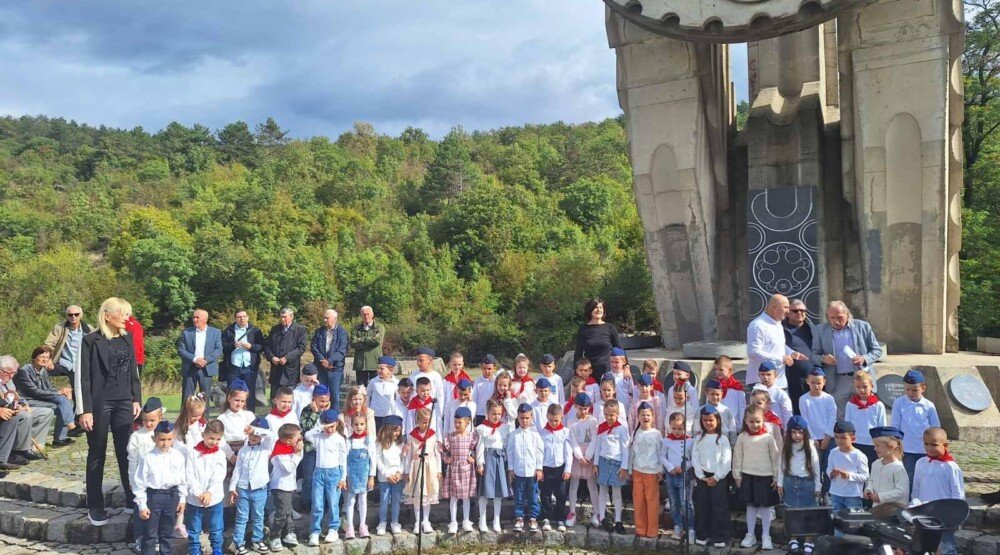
x=910, y=529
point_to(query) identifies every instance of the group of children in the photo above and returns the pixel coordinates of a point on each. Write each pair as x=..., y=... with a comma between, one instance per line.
x=431, y=437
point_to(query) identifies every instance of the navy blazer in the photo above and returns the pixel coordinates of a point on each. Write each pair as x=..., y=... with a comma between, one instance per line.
x=338, y=347
x=213, y=350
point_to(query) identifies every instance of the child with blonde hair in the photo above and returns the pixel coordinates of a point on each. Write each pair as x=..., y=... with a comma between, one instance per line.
x=866, y=411
x=390, y=472
x=888, y=481
x=491, y=461
x=522, y=384
x=755, y=470
x=610, y=452
x=423, y=440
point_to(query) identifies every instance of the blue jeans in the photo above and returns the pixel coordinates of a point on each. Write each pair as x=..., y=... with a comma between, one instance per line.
x=910, y=464
x=526, y=497
x=947, y=545
x=389, y=498
x=838, y=502
x=249, y=500
x=307, y=466
x=800, y=491
x=325, y=495
x=63, y=408
x=195, y=519
x=333, y=379
x=675, y=491
x=824, y=459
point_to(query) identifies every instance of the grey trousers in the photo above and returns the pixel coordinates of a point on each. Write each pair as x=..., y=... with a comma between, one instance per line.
x=35, y=424
x=8, y=435
x=283, y=523
x=842, y=388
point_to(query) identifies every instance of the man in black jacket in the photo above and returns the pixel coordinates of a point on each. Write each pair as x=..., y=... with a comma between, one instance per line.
x=242, y=344
x=284, y=347
x=799, y=332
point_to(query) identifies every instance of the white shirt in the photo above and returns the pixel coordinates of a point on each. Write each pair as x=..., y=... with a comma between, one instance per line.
x=864, y=419
x=689, y=411
x=736, y=402
x=558, y=391
x=252, y=462
x=275, y=422
x=581, y=434
x=490, y=439
x=283, y=471
x=199, y=342
x=611, y=445
x=437, y=382
x=331, y=449
x=890, y=482
x=781, y=403
x=205, y=473
x=729, y=425
x=540, y=411
x=557, y=449
x=855, y=464
x=797, y=466
x=913, y=418
x=302, y=397
x=623, y=386
x=673, y=452
x=766, y=342
x=525, y=452
x=645, y=451
x=659, y=411
x=388, y=461
x=139, y=444
x=410, y=418
x=622, y=411
x=820, y=413
x=160, y=470
x=712, y=454
x=933, y=480
x=235, y=423
x=482, y=390
x=368, y=444
x=381, y=394
x=449, y=414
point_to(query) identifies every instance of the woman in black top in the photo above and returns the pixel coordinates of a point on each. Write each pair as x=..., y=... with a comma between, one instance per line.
x=109, y=383
x=596, y=338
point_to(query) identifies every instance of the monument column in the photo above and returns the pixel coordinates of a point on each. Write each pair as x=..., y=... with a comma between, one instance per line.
x=676, y=96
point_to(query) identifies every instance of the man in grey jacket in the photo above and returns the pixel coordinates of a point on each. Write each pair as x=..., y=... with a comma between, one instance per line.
x=65, y=340
x=843, y=346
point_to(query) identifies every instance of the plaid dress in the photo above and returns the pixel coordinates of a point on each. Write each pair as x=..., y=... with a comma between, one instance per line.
x=460, y=478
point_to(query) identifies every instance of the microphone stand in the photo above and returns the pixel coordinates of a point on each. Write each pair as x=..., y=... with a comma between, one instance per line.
x=421, y=479
x=685, y=536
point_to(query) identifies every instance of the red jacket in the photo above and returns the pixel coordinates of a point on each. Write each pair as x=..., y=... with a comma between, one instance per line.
x=134, y=328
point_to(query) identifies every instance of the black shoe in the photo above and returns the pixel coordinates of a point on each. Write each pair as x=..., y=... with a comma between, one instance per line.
x=29, y=455
x=76, y=432
x=619, y=528
x=991, y=498
x=61, y=443
x=17, y=460
x=607, y=525
x=9, y=466
x=97, y=517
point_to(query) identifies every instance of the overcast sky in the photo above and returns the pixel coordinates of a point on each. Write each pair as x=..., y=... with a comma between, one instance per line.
x=316, y=66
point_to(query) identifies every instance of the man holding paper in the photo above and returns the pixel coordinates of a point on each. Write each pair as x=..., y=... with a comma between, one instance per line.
x=844, y=346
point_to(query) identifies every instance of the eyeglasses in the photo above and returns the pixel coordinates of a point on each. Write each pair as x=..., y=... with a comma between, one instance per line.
x=73, y=314
x=797, y=310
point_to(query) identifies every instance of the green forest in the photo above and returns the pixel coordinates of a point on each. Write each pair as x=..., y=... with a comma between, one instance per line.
x=480, y=241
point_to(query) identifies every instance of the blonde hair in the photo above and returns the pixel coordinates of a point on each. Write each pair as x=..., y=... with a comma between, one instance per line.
x=893, y=444
x=193, y=403
x=650, y=364
x=112, y=305
x=862, y=376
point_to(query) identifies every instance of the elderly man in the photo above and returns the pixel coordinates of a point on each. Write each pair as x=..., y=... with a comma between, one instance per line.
x=799, y=333
x=367, y=338
x=843, y=346
x=242, y=344
x=766, y=342
x=284, y=347
x=65, y=340
x=329, y=349
x=199, y=347
x=36, y=422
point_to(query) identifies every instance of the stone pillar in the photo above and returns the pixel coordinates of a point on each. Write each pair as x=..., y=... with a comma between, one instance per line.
x=676, y=96
x=901, y=108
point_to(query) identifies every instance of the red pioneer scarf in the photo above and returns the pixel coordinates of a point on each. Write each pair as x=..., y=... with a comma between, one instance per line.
x=943, y=458
x=204, y=449
x=280, y=413
x=493, y=427
x=605, y=427
x=554, y=430
x=422, y=438
x=454, y=380
x=871, y=400
x=730, y=383
x=416, y=403
x=282, y=448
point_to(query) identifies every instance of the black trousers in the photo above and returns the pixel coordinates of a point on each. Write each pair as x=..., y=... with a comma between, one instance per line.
x=162, y=506
x=553, y=486
x=365, y=376
x=796, y=375
x=116, y=417
x=249, y=375
x=711, y=512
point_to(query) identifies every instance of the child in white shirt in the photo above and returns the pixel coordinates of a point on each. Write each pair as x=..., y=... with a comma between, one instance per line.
x=557, y=465
x=582, y=432
x=206, y=472
x=711, y=458
x=540, y=406
x=525, y=454
x=646, y=467
x=303, y=392
x=285, y=458
x=281, y=409
x=248, y=486
x=360, y=474
x=463, y=390
x=547, y=365
x=456, y=373
x=715, y=396
x=389, y=471
x=848, y=471
x=675, y=454
x=609, y=452
x=938, y=477
x=682, y=381
x=236, y=418
x=888, y=481
x=482, y=387
x=382, y=391
x=865, y=411
x=733, y=394
x=330, y=475
x=620, y=370
x=139, y=443
x=160, y=487
x=491, y=462
x=781, y=403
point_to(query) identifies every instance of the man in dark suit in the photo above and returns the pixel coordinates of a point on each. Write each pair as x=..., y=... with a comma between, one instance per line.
x=799, y=332
x=284, y=347
x=329, y=349
x=199, y=347
x=242, y=344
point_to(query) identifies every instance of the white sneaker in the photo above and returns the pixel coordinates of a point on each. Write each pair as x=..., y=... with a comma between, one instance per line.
x=453, y=528
x=518, y=524
x=496, y=525
x=546, y=526
x=290, y=539
x=395, y=528
x=749, y=540
x=561, y=527
x=416, y=528
x=701, y=542
x=296, y=515
x=677, y=532
x=595, y=522
x=467, y=526
x=691, y=535
x=276, y=545
x=482, y=525
x=428, y=529
x=720, y=544
x=571, y=520
x=380, y=530
x=314, y=539
x=765, y=543
x=331, y=536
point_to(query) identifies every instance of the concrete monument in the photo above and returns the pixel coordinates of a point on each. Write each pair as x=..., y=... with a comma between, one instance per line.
x=844, y=184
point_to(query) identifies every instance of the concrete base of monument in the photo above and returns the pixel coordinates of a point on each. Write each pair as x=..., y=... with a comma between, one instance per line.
x=939, y=370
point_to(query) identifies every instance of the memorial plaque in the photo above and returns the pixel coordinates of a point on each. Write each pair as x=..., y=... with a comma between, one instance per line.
x=970, y=393
x=741, y=377
x=782, y=247
x=890, y=388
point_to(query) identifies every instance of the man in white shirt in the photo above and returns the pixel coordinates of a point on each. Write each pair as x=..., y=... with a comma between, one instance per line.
x=766, y=342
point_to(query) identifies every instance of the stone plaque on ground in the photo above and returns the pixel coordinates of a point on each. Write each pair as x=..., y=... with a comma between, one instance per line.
x=713, y=349
x=970, y=393
x=890, y=388
x=782, y=246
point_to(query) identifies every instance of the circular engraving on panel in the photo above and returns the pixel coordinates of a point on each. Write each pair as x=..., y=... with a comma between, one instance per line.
x=784, y=268
x=970, y=393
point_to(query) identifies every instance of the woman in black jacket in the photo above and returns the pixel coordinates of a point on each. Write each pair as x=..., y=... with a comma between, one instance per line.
x=109, y=383
x=596, y=338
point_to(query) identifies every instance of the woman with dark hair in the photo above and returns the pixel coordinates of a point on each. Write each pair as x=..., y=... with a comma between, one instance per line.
x=32, y=380
x=109, y=399
x=596, y=338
